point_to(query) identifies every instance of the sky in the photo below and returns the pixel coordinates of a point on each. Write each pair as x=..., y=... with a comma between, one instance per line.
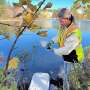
x=62, y=3
x=56, y=3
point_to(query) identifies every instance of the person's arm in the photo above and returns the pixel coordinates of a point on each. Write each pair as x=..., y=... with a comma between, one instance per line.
x=70, y=44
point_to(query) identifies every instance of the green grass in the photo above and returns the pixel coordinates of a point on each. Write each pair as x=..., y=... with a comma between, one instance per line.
x=13, y=87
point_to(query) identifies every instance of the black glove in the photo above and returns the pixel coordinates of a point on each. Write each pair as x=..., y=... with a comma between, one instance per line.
x=49, y=45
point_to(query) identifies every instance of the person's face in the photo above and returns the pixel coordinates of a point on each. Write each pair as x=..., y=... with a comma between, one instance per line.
x=64, y=22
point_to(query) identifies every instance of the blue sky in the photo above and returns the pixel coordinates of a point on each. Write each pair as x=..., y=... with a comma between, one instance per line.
x=56, y=3
x=62, y=3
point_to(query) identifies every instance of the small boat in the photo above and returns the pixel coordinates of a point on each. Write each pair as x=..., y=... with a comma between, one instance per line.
x=42, y=33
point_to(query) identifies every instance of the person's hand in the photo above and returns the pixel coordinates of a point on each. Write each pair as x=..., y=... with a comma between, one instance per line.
x=46, y=44
x=49, y=46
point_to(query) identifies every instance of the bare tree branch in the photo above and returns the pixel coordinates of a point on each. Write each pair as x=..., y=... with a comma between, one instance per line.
x=20, y=33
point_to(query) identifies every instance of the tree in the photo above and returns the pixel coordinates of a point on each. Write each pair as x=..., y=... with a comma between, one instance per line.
x=21, y=30
x=84, y=8
x=2, y=2
x=25, y=2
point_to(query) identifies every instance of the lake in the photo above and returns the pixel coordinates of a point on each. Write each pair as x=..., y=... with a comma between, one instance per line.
x=39, y=59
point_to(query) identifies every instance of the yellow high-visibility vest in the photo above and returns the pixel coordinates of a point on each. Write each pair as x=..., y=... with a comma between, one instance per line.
x=79, y=50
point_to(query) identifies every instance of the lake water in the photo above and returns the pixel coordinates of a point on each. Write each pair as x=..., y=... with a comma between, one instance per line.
x=39, y=59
